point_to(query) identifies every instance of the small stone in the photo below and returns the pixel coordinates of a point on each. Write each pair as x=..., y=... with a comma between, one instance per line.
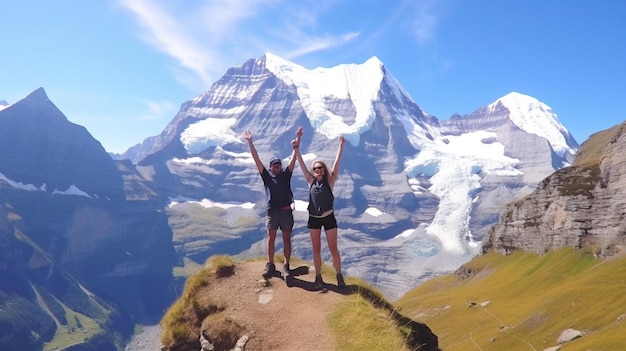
x=569, y=335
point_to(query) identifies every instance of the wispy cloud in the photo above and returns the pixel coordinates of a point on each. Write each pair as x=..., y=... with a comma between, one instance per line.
x=206, y=39
x=169, y=35
x=319, y=44
x=424, y=20
x=220, y=18
x=159, y=110
x=305, y=31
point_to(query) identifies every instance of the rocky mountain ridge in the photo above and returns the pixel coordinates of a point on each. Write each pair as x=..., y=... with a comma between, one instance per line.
x=579, y=206
x=415, y=191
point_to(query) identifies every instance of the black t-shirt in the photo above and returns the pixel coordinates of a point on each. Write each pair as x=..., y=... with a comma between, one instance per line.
x=277, y=188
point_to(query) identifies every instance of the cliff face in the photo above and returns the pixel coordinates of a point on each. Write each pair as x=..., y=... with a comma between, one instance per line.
x=578, y=206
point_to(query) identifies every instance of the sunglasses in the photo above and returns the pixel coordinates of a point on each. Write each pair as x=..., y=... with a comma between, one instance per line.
x=316, y=168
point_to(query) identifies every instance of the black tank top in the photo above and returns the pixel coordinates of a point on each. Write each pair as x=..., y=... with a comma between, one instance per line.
x=321, y=198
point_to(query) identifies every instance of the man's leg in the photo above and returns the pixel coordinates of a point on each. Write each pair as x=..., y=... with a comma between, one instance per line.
x=287, y=246
x=270, y=268
x=287, y=252
x=287, y=227
x=271, y=239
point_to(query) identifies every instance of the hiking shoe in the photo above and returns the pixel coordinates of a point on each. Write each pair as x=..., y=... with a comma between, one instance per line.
x=286, y=268
x=340, y=282
x=286, y=272
x=269, y=271
x=319, y=283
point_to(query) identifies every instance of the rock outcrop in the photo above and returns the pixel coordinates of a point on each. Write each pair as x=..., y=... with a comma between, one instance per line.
x=583, y=205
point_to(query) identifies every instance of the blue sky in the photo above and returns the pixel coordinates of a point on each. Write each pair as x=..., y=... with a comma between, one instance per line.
x=122, y=68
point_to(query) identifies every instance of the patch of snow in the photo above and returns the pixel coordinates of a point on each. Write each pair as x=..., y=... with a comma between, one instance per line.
x=191, y=161
x=19, y=185
x=301, y=205
x=206, y=203
x=207, y=133
x=373, y=212
x=454, y=165
x=406, y=234
x=360, y=83
x=71, y=190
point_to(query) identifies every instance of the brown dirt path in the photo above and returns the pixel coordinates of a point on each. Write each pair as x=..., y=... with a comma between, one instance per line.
x=278, y=317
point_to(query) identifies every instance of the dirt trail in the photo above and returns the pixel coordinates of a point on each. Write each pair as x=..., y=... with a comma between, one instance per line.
x=278, y=317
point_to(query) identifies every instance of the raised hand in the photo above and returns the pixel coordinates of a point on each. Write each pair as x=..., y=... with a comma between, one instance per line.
x=295, y=143
x=247, y=135
x=299, y=132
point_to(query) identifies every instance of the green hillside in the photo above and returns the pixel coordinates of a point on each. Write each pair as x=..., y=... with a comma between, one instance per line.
x=46, y=308
x=524, y=301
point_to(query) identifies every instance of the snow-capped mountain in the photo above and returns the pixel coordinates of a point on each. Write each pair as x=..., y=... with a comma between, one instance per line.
x=415, y=195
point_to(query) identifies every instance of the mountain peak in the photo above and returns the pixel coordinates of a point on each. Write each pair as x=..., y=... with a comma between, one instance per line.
x=38, y=93
x=49, y=145
x=37, y=96
x=38, y=107
x=276, y=64
x=535, y=117
x=358, y=83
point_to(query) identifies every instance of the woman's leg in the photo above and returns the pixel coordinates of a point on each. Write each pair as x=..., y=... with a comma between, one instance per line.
x=316, y=243
x=331, y=237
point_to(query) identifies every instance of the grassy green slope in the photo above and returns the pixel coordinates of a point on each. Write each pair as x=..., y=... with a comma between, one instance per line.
x=524, y=301
x=78, y=314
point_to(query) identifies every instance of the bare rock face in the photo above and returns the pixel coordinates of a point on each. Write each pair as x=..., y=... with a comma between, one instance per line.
x=579, y=206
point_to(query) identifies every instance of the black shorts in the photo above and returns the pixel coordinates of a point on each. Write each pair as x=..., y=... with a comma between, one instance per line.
x=278, y=218
x=328, y=222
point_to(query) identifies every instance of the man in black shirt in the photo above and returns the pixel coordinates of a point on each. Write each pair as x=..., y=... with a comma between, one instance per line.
x=277, y=183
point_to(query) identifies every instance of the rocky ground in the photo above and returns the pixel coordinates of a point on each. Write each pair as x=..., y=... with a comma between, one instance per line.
x=147, y=340
x=278, y=317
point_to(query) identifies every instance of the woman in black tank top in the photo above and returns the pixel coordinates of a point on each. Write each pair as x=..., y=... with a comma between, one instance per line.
x=321, y=181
